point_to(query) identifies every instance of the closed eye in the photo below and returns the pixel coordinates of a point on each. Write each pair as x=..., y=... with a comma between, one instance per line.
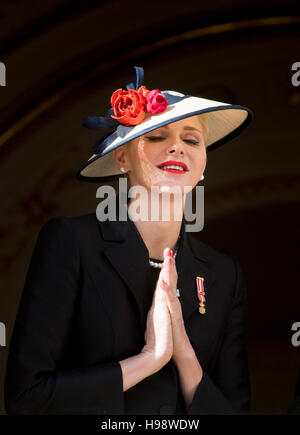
x=158, y=138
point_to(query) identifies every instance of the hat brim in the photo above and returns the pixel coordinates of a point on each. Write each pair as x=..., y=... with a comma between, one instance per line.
x=224, y=122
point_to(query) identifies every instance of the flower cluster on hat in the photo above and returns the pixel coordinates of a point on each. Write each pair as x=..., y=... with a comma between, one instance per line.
x=130, y=106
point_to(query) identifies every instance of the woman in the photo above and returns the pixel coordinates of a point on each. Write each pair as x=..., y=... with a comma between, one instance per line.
x=133, y=316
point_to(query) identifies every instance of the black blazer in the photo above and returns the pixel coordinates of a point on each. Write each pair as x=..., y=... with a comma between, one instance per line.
x=84, y=307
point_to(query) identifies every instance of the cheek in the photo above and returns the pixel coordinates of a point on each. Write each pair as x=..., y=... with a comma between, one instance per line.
x=143, y=157
x=199, y=157
x=143, y=151
x=149, y=156
x=152, y=150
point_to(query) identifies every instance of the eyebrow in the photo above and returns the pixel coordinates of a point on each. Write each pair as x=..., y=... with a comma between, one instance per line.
x=186, y=127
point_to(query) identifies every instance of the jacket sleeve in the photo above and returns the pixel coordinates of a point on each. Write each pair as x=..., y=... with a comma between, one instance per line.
x=35, y=382
x=227, y=389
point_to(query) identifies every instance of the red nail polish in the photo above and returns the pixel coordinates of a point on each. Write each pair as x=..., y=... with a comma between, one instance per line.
x=170, y=260
x=172, y=253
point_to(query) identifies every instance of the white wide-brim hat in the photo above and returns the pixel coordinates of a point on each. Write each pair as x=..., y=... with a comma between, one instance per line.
x=224, y=121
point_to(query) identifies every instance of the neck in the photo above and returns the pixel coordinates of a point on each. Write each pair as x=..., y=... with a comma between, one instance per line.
x=160, y=233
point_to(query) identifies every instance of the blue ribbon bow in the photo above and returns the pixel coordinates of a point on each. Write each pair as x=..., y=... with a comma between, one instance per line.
x=118, y=129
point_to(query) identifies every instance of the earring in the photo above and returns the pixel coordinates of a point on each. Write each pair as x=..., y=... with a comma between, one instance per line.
x=202, y=178
x=122, y=169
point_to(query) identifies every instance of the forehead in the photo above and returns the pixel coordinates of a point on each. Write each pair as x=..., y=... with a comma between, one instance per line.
x=189, y=124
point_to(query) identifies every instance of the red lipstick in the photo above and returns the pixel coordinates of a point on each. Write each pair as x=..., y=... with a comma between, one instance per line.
x=165, y=166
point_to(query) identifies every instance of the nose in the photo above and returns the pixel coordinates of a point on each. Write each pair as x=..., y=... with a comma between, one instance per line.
x=176, y=148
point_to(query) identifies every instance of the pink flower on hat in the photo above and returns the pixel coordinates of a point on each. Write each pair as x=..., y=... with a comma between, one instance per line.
x=156, y=102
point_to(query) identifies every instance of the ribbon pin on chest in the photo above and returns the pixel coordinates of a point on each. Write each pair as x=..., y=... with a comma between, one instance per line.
x=201, y=294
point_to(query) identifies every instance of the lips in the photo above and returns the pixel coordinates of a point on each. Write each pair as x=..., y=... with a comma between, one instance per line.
x=173, y=166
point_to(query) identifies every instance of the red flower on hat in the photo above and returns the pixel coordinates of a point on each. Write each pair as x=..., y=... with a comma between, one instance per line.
x=130, y=106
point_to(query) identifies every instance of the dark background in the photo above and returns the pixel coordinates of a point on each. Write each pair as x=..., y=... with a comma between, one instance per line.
x=63, y=61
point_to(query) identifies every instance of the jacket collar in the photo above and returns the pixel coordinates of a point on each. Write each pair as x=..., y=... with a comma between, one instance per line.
x=129, y=256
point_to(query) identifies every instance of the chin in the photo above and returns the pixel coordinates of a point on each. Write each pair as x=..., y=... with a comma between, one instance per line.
x=170, y=188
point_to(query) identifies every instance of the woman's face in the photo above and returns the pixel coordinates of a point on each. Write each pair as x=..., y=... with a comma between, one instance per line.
x=146, y=158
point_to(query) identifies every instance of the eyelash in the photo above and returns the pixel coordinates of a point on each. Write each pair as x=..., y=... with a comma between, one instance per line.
x=153, y=138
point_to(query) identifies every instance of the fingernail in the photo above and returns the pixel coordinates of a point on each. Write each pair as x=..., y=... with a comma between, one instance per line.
x=172, y=253
x=170, y=260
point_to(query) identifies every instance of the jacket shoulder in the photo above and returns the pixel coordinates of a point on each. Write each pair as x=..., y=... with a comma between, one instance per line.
x=79, y=226
x=83, y=220
x=73, y=221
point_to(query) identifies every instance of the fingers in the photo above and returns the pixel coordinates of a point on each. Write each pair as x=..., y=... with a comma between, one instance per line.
x=167, y=280
x=168, y=283
x=169, y=290
x=168, y=270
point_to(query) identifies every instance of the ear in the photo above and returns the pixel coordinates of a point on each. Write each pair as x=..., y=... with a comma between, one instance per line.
x=120, y=155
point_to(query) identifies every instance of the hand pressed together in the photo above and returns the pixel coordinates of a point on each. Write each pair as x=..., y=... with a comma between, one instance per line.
x=165, y=333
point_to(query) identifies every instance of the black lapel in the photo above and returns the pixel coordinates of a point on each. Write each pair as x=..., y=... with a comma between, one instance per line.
x=190, y=263
x=129, y=256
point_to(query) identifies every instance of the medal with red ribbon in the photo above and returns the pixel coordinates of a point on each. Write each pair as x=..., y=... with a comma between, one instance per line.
x=201, y=294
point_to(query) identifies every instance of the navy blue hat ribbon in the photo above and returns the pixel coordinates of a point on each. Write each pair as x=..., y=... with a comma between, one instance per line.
x=103, y=122
x=116, y=128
